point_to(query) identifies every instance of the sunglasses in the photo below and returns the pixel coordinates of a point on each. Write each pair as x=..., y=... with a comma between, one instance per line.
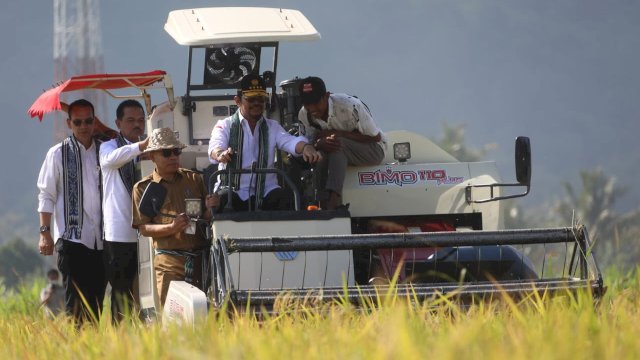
x=78, y=122
x=168, y=152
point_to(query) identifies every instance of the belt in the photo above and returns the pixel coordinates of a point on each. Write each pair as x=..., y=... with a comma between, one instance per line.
x=188, y=264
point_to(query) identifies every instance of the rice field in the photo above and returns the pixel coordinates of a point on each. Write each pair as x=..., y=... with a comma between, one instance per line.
x=567, y=327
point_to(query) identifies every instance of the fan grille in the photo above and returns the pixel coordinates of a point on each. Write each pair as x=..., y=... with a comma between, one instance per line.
x=226, y=66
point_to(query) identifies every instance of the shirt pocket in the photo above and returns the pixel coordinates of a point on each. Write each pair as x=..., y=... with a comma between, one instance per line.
x=167, y=208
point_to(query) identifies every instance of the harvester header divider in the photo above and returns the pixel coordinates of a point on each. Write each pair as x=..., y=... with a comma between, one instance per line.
x=404, y=240
x=419, y=291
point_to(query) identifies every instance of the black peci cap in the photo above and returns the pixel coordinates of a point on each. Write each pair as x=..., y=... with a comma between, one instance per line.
x=312, y=89
x=252, y=85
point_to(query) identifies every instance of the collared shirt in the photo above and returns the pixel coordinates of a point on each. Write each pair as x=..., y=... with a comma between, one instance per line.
x=345, y=113
x=51, y=195
x=278, y=138
x=116, y=210
x=186, y=184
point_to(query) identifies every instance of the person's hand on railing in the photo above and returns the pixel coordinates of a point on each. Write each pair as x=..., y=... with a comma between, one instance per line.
x=223, y=156
x=310, y=154
x=212, y=201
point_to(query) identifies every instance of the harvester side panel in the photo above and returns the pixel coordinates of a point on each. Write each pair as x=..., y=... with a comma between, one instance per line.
x=206, y=114
x=413, y=189
x=423, y=150
x=146, y=274
x=288, y=270
x=492, y=214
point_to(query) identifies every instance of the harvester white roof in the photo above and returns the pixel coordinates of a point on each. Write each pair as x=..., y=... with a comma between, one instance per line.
x=223, y=25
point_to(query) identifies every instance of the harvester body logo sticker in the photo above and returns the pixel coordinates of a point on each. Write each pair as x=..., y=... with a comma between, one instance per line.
x=286, y=255
x=407, y=177
x=175, y=308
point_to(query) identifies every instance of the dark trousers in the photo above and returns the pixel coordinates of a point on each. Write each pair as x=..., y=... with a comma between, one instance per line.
x=121, y=267
x=276, y=199
x=332, y=169
x=83, y=276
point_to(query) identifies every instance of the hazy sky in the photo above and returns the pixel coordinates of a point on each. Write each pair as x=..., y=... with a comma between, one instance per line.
x=562, y=72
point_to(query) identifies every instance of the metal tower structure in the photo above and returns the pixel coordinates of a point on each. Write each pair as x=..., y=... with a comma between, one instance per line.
x=77, y=50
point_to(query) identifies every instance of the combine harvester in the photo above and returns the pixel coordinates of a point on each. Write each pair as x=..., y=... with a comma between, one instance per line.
x=433, y=222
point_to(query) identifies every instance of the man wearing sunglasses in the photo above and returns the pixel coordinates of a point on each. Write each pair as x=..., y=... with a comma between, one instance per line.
x=69, y=205
x=246, y=138
x=119, y=161
x=178, y=251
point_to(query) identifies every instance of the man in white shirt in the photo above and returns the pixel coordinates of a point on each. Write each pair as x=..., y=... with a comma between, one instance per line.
x=118, y=161
x=69, y=203
x=247, y=137
x=342, y=128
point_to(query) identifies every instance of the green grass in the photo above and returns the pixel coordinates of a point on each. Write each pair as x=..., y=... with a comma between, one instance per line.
x=560, y=328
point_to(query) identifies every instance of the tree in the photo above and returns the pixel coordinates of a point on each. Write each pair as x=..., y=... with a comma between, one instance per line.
x=593, y=204
x=453, y=142
x=615, y=235
x=18, y=262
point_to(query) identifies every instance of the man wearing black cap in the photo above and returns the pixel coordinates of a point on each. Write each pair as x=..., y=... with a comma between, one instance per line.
x=341, y=126
x=247, y=137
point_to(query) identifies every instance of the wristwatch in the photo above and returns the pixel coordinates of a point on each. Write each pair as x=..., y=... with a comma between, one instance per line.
x=45, y=228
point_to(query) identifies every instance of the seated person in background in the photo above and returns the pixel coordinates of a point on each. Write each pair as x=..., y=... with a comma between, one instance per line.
x=52, y=296
x=247, y=137
x=342, y=128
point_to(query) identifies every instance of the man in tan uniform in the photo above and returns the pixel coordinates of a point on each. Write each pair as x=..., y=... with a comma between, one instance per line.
x=178, y=253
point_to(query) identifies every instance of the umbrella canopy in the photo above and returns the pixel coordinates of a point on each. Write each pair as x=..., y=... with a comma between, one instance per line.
x=50, y=99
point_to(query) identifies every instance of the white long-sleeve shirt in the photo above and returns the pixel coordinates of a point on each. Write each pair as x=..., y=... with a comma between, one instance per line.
x=116, y=201
x=51, y=195
x=345, y=113
x=278, y=138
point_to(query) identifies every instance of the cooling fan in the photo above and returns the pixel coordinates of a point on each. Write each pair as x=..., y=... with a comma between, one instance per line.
x=224, y=67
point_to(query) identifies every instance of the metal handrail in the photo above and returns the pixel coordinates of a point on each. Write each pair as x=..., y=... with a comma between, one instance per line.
x=402, y=240
x=255, y=170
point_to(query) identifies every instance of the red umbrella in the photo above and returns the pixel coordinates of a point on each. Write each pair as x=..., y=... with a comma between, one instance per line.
x=50, y=99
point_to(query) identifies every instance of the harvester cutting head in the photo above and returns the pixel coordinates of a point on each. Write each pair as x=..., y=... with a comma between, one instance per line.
x=358, y=267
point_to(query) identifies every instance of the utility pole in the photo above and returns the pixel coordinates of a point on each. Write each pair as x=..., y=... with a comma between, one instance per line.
x=77, y=50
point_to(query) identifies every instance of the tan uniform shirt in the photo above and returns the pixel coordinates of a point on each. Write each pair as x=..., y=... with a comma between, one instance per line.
x=186, y=184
